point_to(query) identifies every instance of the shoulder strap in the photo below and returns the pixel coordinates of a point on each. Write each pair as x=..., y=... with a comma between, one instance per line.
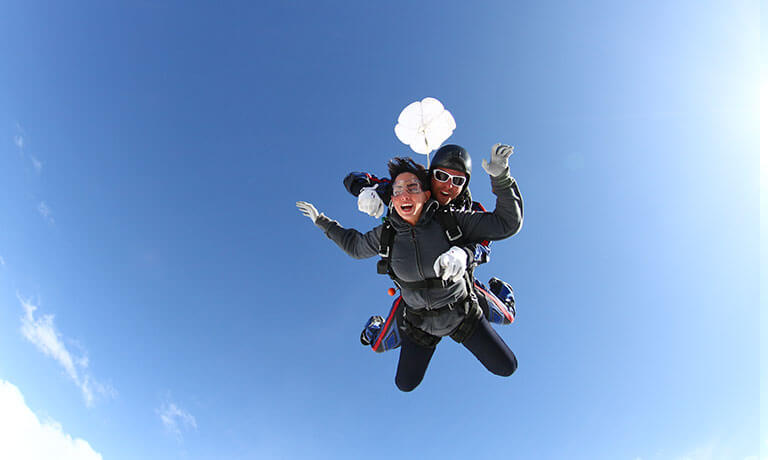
x=385, y=249
x=386, y=240
x=447, y=219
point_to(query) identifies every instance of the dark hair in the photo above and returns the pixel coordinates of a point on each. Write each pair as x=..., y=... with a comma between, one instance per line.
x=399, y=165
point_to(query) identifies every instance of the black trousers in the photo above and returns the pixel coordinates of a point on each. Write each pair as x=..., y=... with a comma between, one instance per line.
x=485, y=344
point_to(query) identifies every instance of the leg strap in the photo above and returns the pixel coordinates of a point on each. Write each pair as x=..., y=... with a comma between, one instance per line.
x=415, y=334
x=467, y=327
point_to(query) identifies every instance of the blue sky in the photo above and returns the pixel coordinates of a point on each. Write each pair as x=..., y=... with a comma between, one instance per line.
x=161, y=297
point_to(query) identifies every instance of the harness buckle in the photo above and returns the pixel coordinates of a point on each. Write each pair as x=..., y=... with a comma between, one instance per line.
x=453, y=237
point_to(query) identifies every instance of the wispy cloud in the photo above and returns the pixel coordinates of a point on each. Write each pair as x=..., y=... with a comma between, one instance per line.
x=19, y=140
x=37, y=164
x=702, y=452
x=176, y=419
x=24, y=436
x=41, y=332
x=2, y=261
x=45, y=211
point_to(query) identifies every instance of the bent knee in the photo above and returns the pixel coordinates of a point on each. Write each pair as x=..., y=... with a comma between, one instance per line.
x=506, y=371
x=406, y=385
x=507, y=368
x=406, y=389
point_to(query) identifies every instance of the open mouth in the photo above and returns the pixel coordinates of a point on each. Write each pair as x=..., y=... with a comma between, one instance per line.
x=406, y=208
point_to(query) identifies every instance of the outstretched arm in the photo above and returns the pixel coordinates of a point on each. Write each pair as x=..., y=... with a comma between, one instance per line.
x=354, y=243
x=507, y=218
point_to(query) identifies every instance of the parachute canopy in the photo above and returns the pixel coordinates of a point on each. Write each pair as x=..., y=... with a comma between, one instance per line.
x=424, y=125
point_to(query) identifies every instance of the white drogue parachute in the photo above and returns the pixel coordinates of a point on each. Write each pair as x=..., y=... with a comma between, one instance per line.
x=424, y=125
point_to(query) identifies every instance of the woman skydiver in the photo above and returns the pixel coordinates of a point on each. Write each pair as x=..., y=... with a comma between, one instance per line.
x=430, y=271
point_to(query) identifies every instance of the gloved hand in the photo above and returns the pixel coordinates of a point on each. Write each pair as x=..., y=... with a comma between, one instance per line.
x=308, y=210
x=451, y=264
x=369, y=202
x=499, y=157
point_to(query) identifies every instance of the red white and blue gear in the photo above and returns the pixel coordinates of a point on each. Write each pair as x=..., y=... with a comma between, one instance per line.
x=496, y=301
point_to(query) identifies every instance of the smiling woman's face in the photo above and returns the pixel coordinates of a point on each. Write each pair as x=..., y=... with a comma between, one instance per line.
x=408, y=198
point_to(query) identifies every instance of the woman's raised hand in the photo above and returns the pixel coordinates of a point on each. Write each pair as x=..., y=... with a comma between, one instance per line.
x=308, y=210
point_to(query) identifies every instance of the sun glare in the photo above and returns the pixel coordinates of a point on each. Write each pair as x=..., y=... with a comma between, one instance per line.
x=763, y=133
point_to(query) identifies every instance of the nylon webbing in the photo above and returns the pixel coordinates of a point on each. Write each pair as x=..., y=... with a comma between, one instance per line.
x=429, y=283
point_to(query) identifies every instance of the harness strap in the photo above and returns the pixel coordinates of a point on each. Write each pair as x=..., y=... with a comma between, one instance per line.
x=428, y=283
x=471, y=320
x=450, y=224
x=473, y=314
x=423, y=313
x=417, y=335
x=385, y=249
x=386, y=240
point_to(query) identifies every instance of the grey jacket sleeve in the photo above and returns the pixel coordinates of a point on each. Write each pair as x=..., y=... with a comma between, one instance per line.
x=354, y=243
x=504, y=221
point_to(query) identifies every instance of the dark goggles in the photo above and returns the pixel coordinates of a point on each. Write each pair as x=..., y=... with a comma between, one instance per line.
x=442, y=176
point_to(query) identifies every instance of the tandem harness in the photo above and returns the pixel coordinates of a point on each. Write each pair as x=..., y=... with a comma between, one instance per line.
x=469, y=306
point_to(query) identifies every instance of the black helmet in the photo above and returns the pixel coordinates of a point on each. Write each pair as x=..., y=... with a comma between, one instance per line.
x=452, y=157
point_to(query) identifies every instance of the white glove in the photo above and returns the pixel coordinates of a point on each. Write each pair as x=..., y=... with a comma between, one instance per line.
x=308, y=210
x=369, y=202
x=451, y=264
x=499, y=157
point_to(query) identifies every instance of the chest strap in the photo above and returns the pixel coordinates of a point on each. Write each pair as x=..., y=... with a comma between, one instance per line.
x=424, y=313
x=429, y=283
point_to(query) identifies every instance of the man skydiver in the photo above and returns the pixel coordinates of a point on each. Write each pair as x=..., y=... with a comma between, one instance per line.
x=449, y=174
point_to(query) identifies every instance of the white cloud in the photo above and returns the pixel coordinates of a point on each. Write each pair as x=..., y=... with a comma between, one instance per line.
x=2, y=261
x=37, y=164
x=19, y=140
x=45, y=211
x=42, y=333
x=703, y=452
x=24, y=437
x=175, y=419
